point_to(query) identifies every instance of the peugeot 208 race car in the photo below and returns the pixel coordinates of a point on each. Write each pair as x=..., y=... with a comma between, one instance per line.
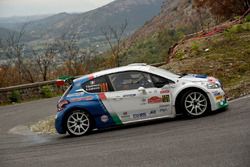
x=134, y=93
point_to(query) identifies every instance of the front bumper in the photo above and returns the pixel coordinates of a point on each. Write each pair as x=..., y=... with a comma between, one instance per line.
x=218, y=99
x=223, y=104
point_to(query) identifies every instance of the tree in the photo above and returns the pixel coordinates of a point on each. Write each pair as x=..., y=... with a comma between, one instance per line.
x=46, y=60
x=114, y=36
x=14, y=52
x=75, y=59
x=224, y=8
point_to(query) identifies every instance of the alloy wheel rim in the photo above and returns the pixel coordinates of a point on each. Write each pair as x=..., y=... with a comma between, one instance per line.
x=78, y=123
x=196, y=103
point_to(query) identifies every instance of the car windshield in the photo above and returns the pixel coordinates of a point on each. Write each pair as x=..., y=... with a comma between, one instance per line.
x=164, y=72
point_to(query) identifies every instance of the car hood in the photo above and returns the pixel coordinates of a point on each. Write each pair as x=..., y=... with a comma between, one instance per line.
x=196, y=78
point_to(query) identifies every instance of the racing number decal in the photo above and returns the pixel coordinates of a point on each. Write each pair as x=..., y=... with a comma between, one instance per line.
x=165, y=98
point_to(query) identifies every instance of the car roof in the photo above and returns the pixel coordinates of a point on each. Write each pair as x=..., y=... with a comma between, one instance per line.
x=131, y=67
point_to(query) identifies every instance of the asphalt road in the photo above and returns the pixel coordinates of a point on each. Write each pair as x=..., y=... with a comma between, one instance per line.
x=221, y=139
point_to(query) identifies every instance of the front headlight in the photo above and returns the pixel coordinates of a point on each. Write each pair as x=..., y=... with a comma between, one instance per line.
x=213, y=85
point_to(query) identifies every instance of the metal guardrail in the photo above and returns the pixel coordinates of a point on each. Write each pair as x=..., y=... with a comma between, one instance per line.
x=26, y=86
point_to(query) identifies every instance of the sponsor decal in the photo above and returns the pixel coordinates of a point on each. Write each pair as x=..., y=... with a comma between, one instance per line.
x=104, y=118
x=219, y=97
x=165, y=98
x=129, y=95
x=93, y=87
x=75, y=99
x=216, y=93
x=87, y=98
x=152, y=112
x=154, y=99
x=164, y=91
x=125, y=115
x=200, y=76
x=163, y=110
x=75, y=94
x=172, y=85
x=140, y=115
x=164, y=106
x=102, y=87
x=144, y=101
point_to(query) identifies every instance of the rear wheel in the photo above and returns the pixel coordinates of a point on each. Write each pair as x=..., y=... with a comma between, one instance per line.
x=78, y=123
x=195, y=103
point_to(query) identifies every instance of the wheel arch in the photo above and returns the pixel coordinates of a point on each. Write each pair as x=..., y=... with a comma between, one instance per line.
x=75, y=108
x=181, y=92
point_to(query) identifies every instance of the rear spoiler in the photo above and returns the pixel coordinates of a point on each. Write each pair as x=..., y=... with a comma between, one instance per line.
x=62, y=80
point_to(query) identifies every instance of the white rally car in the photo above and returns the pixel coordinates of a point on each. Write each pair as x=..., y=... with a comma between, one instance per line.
x=134, y=93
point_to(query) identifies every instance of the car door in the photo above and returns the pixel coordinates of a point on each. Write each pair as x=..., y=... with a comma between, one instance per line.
x=135, y=97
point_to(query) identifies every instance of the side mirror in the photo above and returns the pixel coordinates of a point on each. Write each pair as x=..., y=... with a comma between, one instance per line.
x=142, y=90
x=79, y=90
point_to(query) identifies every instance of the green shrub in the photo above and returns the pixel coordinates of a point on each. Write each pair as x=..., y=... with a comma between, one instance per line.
x=247, y=19
x=47, y=91
x=15, y=96
x=229, y=35
x=246, y=26
x=195, y=47
x=179, y=55
x=240, y=28
x=236, y=28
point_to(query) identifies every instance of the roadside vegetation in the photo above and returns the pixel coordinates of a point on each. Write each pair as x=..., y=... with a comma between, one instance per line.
x=225, y=56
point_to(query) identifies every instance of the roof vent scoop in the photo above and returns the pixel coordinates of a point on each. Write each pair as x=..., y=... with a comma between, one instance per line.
x=138, y=64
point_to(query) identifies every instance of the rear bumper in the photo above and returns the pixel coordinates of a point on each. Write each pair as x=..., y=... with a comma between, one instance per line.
x=59, y=125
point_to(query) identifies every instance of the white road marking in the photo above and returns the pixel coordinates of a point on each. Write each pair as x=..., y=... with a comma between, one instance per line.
x=241, y=98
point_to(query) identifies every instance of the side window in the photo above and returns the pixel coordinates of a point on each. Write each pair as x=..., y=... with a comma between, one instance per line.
x=130, y=80
x=96, y=85
x=159, y=82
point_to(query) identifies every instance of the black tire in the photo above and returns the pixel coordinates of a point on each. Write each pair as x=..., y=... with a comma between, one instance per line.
x=195, y=103
x=78, y=123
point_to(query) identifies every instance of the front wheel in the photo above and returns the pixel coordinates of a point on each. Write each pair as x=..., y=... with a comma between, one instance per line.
x=195, y=103
x=78, y=123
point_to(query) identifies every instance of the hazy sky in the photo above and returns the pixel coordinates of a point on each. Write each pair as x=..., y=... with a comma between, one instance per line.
x=34, y=7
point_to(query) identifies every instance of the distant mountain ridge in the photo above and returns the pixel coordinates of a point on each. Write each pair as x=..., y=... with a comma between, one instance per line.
x=22, y=19
x=89, y=24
